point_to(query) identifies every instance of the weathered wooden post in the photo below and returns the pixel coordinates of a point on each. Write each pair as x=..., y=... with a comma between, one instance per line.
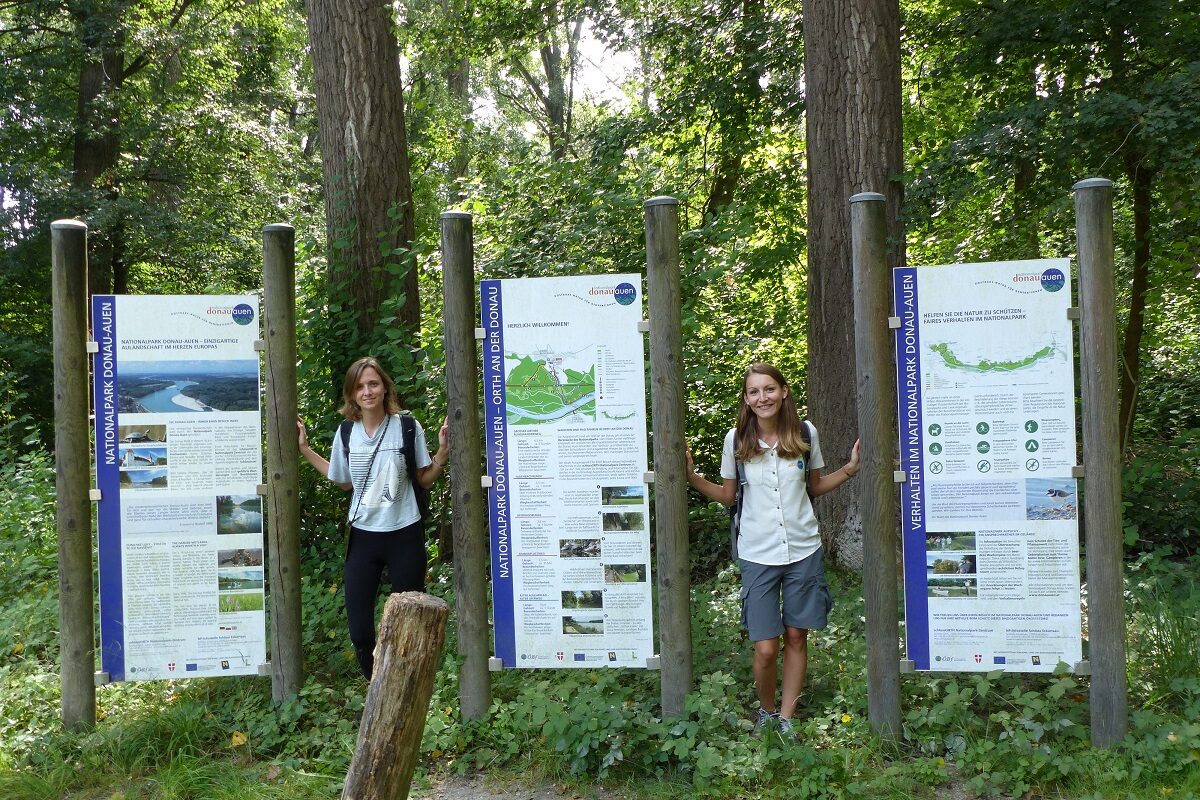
x=409, y=648
x=670, y=476
x=283, y=459
x=877, y=429
x=72, y=457
x=467, y=512
x=1101, y=461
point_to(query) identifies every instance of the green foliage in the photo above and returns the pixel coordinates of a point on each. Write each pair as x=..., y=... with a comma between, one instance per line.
x=1164, y=603
x=1161, y=494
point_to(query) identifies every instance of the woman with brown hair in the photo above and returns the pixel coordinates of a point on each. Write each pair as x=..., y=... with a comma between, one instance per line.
x=771, y=467
x=386, y=529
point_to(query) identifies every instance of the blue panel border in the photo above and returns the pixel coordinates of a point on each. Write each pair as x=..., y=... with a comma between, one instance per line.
x=912, y=448
x=108, y=481
x=495, y=415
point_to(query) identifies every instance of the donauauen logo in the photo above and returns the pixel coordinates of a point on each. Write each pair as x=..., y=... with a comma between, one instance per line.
x=1051, y=279
x=242, y=313
x=623, y=293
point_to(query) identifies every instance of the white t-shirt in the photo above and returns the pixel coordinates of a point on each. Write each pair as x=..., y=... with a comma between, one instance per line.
x=382, y=500
x=778, y=524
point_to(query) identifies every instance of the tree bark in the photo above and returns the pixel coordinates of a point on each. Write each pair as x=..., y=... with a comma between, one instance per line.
x=852, y=76
x=411, y=636
x=364, y=157
x=97, y=143
x=1142, y=180
x=737, y=125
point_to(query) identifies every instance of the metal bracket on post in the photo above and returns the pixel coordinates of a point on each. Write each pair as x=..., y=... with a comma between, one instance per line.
x=648, y=477
x=480, y=334
x=1077, y=471
x=495, y=664
x=261, y=489
x=908, y=665
x=644, y=326
x=260, y=346
x=95, y=495
x=899, y=476
x=264, y=668
x=485, y=481
x=91, y=346
x=1082, y=667
x=1074, y=313
x=653, y=662
x=894, y=323
x=101, y=678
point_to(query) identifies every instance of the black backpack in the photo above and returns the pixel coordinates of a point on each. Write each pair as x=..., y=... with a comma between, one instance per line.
x=735, y=511
x=408, y=432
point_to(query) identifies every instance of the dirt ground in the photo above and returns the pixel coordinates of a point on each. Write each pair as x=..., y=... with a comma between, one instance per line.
x=477, y=787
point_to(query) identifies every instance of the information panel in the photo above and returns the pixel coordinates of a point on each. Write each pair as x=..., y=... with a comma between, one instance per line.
x=565, y=434
x=987, y=440
x=178, y=462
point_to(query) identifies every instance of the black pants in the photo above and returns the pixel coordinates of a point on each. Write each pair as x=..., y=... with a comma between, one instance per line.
x=403, y=553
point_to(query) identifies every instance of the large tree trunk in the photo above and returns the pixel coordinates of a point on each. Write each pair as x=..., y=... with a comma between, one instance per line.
x=1142, y=180
x=364, y=156
x=852, y=78
x=736, y=127
x=97, y=144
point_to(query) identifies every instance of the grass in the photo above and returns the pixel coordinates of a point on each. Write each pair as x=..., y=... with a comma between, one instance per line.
x=963, y=734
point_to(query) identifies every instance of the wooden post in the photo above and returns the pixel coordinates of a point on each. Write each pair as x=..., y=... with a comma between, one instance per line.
x=467, y=512
x=670, y=477
x=283, y=460
x=1101, y=461
x=72, y=460
x=877, y=429
x=409, y=648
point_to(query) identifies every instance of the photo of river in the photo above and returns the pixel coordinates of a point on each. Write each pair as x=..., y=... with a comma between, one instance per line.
x=170, y=387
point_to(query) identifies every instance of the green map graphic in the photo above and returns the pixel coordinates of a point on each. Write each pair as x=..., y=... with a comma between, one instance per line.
x=951, y=360
x=541, y=390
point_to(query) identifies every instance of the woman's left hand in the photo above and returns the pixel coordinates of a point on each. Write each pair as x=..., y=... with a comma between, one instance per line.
x=444, y=434
x=852, y=466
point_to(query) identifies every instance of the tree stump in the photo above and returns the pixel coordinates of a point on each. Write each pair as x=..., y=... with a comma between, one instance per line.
x=409, y=647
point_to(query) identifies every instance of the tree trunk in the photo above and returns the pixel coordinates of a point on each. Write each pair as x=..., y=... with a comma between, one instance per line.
x=411, y=636
x=364, y=157
x=737, y=126
x=1142, y=180
x=97, y=145
x=852, y=75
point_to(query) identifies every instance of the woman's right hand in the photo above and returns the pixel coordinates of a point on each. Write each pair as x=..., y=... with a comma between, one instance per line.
x=687, y=457
x=301, y=433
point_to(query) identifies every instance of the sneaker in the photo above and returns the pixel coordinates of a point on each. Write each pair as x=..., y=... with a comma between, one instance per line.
x=763, y=720
x=787, y=731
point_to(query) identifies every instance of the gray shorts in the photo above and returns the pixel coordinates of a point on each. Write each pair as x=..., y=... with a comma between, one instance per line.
x=806, y=597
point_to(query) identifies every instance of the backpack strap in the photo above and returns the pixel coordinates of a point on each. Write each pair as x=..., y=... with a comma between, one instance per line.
x=408, y=429
x=344, y=432
x=806, y=430
x=735, y=521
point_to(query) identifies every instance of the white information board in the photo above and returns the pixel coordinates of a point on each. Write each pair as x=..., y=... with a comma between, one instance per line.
x=990, y=510
x=178, y=462
x=565, y=435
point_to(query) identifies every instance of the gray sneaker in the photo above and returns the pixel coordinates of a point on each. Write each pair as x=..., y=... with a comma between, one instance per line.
x=787, y=731
x=764, y=720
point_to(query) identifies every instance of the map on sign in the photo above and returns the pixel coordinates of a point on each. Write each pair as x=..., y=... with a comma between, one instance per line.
x=547, y=387
x=952, y=359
